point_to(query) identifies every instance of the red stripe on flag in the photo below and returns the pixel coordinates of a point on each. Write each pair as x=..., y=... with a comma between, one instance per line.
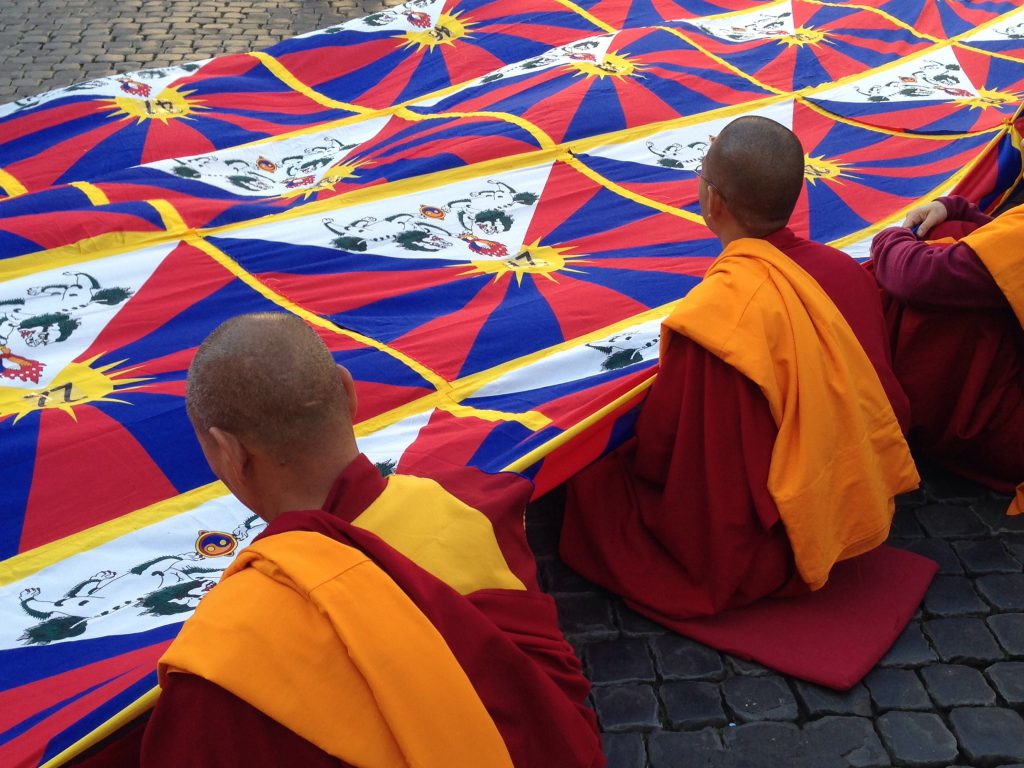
x=80, y=472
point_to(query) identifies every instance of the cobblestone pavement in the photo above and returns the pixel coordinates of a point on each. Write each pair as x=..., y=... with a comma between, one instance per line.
x=951, y=692
x=47, y=44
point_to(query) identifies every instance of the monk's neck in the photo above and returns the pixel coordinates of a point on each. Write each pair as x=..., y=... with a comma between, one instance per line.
x=730, y=231
x=727, y=235
x=304, y=485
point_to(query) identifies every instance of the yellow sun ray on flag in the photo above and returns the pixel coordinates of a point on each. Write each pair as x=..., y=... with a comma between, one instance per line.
x=77, y=384
x=534, y=259
x=169, y=104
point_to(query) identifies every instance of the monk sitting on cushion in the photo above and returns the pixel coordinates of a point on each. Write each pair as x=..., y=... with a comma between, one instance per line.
x=376, y=621
x=769, y=447
x=955, y=305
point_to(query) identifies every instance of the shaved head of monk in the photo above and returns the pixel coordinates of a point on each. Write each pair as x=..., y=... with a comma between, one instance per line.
x=751, y=178
x=272, y=411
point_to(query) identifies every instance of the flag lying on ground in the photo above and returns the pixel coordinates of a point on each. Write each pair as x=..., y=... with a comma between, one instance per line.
x=485, y=208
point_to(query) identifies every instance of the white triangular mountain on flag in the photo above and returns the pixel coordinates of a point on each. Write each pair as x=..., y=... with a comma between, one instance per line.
x=142, y=580
x=684, y=148
x=935, y=75
x=623, y=348
x=146, y=84
x=1009, y=26
x=385, y=447
x=49, y=318
x=476, y=220
x=590, y=50
x=282, y=167
x=763, y=23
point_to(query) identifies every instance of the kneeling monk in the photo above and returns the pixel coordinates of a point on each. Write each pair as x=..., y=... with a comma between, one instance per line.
x=770, y=446
x=955, y=309
x=376, y=621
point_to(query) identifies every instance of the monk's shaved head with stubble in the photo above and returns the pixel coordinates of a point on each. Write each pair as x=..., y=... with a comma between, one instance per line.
x=758, y=165
x=269, y=380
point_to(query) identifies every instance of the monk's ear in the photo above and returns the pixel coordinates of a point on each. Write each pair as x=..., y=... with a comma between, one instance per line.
x=350, y=391
x=716, y=205
x=227, y=455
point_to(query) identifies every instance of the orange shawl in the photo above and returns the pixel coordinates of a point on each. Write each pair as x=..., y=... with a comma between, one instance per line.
x=1000, y=246
x=840, y=456
x=313, y=634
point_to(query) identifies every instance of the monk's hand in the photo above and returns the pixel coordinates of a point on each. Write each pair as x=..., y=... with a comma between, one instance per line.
x=924, y=217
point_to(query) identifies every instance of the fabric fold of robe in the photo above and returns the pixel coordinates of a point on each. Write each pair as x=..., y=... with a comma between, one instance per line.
x=339, y=655
x=838, y=436
x=998, y=245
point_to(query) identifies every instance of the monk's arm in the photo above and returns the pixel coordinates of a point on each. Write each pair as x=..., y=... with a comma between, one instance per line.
x=961, y=209
x=932, y=275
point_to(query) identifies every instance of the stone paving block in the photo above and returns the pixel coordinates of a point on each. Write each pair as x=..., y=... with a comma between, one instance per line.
x=1004, y=591
x=989, y=735
x=914, y=498
x=752, y=699
x=905, y=525
x=953, y=596
x=624, y=750
x=670, y=749
x=781, y=744
x=626, y=708
x=818, y=701
x=1009, y=631
x=853, y=739
x=911, y=649
x=632, y=623
x=690, y=705
x=896, y=689
x=1008, y=678
x=917, y=739
x=1016, y=547
x=624, y=660
x=993, y=514
x=679, y=658
x=585, y=616
x=949, y=522
x=747, y=668
x=938, y=550
x=963, y=640
x=955, y=685
x=985, y=556
x=559, y=578
x=945, y=487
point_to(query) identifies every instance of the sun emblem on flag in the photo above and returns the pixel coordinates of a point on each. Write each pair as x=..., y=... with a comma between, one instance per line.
x=987, y=98
x=446, y=31
x=535, y=259
x=169, y=104
x=307, y=185
x=802, y=36
x=77, y=384
x=611, y=65
x=816, y=168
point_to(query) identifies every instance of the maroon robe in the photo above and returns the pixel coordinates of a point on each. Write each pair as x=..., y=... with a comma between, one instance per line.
x=507, y=641
x=679, y=520
x=958, y=350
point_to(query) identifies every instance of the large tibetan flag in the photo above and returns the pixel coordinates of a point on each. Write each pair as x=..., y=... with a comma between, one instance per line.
x=485, y=208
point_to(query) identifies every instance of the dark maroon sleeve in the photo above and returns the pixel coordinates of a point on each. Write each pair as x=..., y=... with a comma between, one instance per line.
x=932, y=276
x=961, y=209
x=196, y=723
